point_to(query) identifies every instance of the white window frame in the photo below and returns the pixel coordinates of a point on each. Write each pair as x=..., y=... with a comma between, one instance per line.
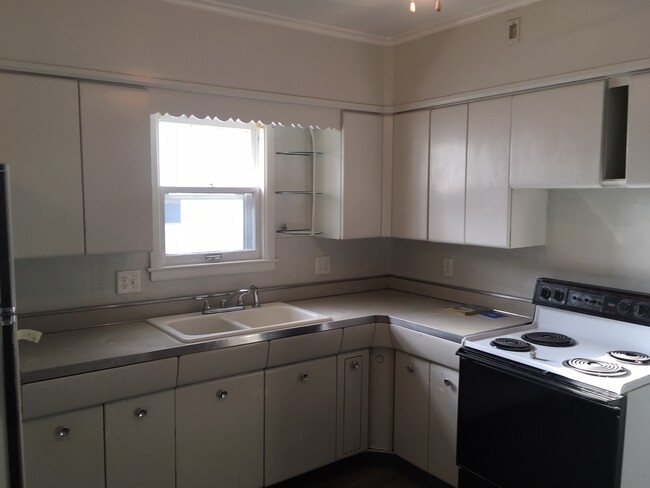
x=165, y=267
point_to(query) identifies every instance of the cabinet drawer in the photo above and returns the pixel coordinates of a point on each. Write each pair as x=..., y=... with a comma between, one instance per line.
x=358, y=337
x=83, y=390
x=230, y=361
x=304, y=347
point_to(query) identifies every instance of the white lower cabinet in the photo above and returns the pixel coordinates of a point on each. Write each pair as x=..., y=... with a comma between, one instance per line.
x=139, y=442
x=220, y=432
x=443, y=415
x=411, y=424
x=352, y=409
x=300, y=418
x=426, y=404
x=65, y=450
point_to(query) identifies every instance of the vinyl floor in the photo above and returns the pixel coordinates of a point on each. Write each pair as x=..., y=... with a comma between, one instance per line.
x=371, y=470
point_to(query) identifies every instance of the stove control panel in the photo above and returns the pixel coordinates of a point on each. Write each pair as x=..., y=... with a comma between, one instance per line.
x=612, y=303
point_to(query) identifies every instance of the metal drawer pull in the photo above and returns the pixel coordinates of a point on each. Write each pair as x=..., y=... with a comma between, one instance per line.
x=140, y=413
x=304, y=377
x=410, y=368
x=355, y=365
x=223, y=394
x=447, y=382
x=62, y=431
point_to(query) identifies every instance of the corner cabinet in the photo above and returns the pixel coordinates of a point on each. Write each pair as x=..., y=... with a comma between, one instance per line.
x=352, y=398
x=79, y=159
x=410, y=175
x=557, y=137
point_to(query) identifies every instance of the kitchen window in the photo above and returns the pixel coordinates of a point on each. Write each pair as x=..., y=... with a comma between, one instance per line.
x=210, y=206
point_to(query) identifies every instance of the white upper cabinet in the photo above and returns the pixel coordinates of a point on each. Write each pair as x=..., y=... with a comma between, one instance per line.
x=39, y=140
x=447, y=156
x=497, y=216
x=638, y=130
x=410, y=175
x=557, y=137
x=362, y=175
x=115, y=131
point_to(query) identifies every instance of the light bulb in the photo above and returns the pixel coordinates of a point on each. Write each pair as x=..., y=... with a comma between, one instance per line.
x=412, y=6
x=438, y=5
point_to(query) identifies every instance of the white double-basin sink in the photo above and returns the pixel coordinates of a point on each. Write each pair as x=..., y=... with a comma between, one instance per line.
x=196, y=327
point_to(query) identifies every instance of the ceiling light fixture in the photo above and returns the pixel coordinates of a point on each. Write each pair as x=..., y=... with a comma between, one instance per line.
x=438, y=6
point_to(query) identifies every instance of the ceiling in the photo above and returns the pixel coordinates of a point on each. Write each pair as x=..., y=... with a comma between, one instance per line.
x=376, y=21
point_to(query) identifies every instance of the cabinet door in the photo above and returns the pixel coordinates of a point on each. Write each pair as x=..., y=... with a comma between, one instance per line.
x=300, y=418
x=65, y=451
x=39, y=140
x=412, y=409
x=352, y=409
x=488, y=163
x=557, y=137
x=116, y=142
x=410, y=175
x=219, y=433
x=443, y=414
x=447, y=157
x=139, y=441
x=638, y=142
x=362, y=175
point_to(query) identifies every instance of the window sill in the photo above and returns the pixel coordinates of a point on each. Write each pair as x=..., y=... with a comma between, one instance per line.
x=200, y=270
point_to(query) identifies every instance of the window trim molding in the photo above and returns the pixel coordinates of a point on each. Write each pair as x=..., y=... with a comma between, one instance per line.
x=161, y=271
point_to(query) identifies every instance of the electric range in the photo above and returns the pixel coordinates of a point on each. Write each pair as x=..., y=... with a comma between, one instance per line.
x=572, y=387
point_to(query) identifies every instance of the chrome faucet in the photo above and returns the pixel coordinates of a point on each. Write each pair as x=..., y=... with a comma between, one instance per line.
x=229, y=297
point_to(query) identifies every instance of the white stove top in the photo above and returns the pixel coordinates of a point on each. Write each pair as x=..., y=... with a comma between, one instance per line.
x=595, y=337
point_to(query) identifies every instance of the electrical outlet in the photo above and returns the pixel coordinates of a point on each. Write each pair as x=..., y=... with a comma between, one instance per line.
x=448, y=266
x=323, y=265
x=128, y=281
x=514, y=31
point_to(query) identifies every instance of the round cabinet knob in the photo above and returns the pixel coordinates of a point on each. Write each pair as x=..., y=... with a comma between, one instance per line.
x=447, y=382
x=410, y=368
x=62, y=431
x=140, y=413
x=355, y=365
x=304, y=377
x=223, y=394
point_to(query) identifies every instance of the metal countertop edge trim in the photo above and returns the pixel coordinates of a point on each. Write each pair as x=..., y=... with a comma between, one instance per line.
x=96, y=308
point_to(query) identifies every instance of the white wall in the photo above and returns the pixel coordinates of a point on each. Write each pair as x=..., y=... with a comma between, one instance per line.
x=59, y=283
x=557, y=36
x=156, y=39
x=598, y=236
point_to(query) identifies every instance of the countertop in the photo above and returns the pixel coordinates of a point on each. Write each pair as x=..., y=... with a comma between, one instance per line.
x=84, y=350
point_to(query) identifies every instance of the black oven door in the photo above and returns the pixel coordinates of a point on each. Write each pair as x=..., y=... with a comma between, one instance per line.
x=519, y=427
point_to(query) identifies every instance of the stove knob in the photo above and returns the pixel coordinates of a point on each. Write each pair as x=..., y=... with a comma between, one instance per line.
x=558, y=296
x=624, y=307
x=642, y=310
x=545, y=293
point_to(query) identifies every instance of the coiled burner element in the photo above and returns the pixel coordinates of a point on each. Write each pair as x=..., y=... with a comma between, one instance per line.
x=510, y=344
x=595, y=367
x=551, y=339
x=630, y=357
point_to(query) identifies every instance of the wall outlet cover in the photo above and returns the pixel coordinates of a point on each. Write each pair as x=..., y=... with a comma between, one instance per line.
x=323, y=265
x=128, y=281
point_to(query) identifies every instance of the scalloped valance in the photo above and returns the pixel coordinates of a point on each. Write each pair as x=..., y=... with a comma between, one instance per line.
x=177, y=103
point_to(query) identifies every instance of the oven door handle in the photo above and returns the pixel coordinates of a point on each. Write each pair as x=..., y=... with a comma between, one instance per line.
x=550, y=380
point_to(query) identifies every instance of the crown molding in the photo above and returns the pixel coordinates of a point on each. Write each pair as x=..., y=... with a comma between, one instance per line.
x=244, y=13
